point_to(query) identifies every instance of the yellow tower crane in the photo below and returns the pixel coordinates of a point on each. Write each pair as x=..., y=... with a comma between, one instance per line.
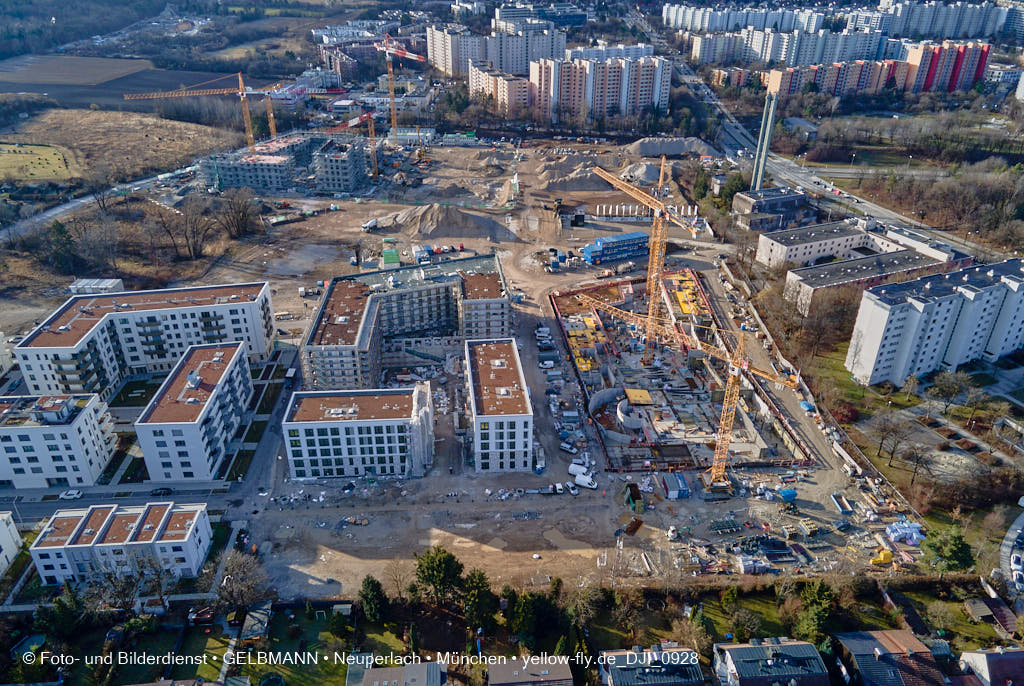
x=655, y=328
x=389, y=46
x=240, y=91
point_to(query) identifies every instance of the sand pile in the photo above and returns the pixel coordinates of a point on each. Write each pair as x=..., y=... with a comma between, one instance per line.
x=569, y=175
x=650, y=147
x=644, y=173
x=438, y=221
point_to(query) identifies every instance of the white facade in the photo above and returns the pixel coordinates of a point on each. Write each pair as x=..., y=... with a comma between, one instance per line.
x=499, y=407
x=806, y=245
x=186, y=430
x=607, y=52
x=381, y=432
x=10, y=541
x=701, y=18
x=79, y=544
x=54, y=441
x=938, y=322
x=510, y=50
x=789, y=48
x=94, y=342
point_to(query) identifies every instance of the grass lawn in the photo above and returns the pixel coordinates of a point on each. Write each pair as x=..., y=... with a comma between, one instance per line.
x=136, y=472
x=312, y=636
x=36, y=162
x=198, y=642
x=828, y=370
x=156, y=643
x=240, y=467
x=18, y=565
x=270, y=395
x=33, y=591
x=124, y=443
x=255, y=432
x=136, y=393
x=964, y=633
x=383, y=638
x=606, y=633
x=762, y=605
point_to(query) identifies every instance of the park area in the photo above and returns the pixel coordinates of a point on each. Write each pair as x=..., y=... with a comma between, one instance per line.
x=36, y=162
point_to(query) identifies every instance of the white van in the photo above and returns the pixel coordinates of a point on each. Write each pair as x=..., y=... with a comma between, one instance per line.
x=546, y=364
x=565, y=447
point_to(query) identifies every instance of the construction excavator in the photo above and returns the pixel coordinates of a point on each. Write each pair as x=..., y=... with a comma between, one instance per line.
x=656, y=328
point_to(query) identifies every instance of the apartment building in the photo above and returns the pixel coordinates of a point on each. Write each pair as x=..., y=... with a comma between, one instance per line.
x=841, y=78
x=339, y=167
x=584, y=89
x=703, y=18
x=789, y=48
x=509, y=93
x=78, y=544
x=510, y=47
x=187, y=428
x=407, y=316
x=716, y=48
x=949, y=66
x=499, y=407
x=380, y=432
x=603, y=51
x=10, y=541
x=248, y=170
x=657, y=665
x=938, y=322
x=558, y=13
x=54, y=441
x=947, y=20
x=732, y=76
x=92, y=343
x=769, y=661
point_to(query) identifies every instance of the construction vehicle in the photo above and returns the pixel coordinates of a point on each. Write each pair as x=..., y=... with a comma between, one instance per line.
x=240, y=91
x=390, y=47
x=356, y=121
x=655, y=328
x=883, y=556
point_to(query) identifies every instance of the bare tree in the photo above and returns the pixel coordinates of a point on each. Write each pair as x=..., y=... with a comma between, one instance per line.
x=158, y=578
x=190, y=230
x=237, y=214
x=244, y=581
x=902, y=430
x=882, y=426
x=910, y=386
x=398, y=574
x=976, y=399
x=116, y=586
x=102, y=183
x=583, y=602
x=918, y=455
x=948, y=386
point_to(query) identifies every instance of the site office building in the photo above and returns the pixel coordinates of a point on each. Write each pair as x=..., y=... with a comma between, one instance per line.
x=382, y=432
x=94, y=342
x=54, y=441
x=186, y=429
x=80, y=544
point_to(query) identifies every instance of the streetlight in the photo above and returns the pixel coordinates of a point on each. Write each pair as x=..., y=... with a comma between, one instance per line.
x=910, y=158
x=853, y=158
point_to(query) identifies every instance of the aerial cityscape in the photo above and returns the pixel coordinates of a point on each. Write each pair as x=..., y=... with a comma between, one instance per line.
x=508, y=343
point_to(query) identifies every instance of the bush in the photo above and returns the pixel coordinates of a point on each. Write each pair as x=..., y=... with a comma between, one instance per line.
x=846, y=413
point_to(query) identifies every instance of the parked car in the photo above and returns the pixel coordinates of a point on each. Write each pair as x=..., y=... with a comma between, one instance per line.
x=70, y=494
x=201, y=615
x=565, y=447
x=161, y=491
x=571, y=487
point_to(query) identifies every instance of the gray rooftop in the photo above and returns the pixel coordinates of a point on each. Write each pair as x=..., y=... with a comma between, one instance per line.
x=627, y=668
x=417, y=274
x=814, y=234
x=416, y=674
x=858, y=269
x=944, y=285
x=513, y=672
x=774, y=659
x=772, y=193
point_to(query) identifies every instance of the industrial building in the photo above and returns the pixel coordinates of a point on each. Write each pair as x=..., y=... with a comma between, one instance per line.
x=379, y=432
x=498, y=408
x=938, y=322
x=586, y=88
x=406, y=316
x=54, y=441
x=624, y=246
x=82, y=543
x=92, y=343
x=10, y=541
x=770, y=209
x=763, y=662
x=187, y=428
x=339, y=167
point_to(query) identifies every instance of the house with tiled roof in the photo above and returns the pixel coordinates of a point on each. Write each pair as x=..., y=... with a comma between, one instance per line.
x=996, y=666
x=888, y=658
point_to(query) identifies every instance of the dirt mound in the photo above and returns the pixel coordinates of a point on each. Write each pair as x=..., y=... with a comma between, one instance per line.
x=649, y=147
x=642, y=172
x=440, y=221
x=571, y=173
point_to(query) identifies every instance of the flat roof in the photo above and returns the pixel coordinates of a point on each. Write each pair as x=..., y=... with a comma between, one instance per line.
x=121, y=527
x=814, y=234
x=496, y=378
x=944, y=285
x=18, y=410
x=348, y=301
x=151, y=521
x=73, y=320
x=59, y=529
x=513, y=672
x=178, y=525
x=94, y=520
x=190, y=384
x=860, y=268
x=772, y=193
x=350, y=406
x=116, y=524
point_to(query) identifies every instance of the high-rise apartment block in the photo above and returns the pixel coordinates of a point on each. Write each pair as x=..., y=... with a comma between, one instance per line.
x=509, y=93
x=585, y=89
x=186, y=429
x=510, y=47
x=54, y=441
x=500, y=411
x=92, y=343
x=938, y=322
x=84, y=543
x=380, y=432
x=707, y=19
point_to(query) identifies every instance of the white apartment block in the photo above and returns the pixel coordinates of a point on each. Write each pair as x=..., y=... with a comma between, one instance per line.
x=401, y=317
x=698, y=18
x=603, y=51
x=92, y=343
x=54, y=441
x=579, y=89
x=380, y=432
x=10, y=541
x=78, y=544
x=499, y=407
x=938, y=322
x=509, y=48
x=788, y=48
x=186, y=430
x=451, y=47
